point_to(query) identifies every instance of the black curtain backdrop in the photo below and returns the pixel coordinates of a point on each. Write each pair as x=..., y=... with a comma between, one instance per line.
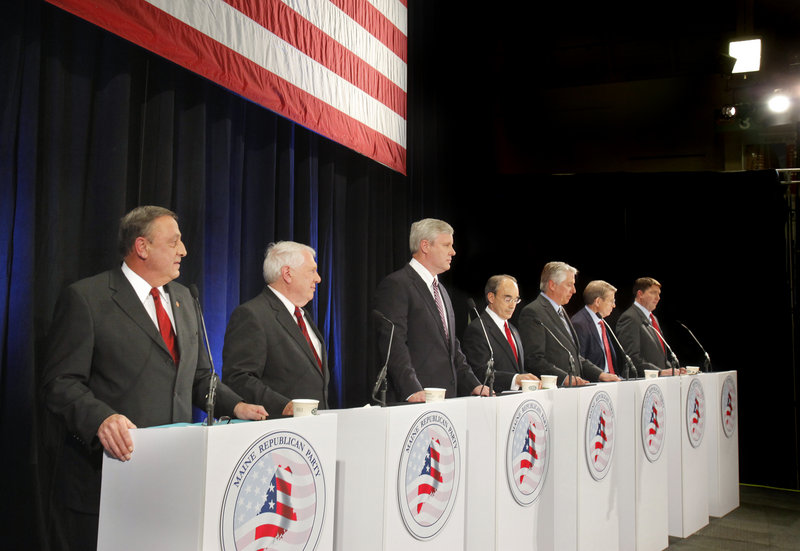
x=92, y=126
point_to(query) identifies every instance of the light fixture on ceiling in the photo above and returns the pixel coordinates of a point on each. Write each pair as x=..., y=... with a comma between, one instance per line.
x=747, y=54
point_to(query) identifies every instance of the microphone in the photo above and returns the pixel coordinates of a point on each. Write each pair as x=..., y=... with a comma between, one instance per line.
x=628, y=362
x=490, y=363
x=211, y=397
x=571, y=357
x=673, y=359
x=380, y=384
x=707, y=360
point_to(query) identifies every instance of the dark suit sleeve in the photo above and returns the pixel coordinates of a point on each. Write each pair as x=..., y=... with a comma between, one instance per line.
x=391, y=299
x=629, y=333
x=68, y=368
x=244, y=359
x=477, y=352
x=467, y=381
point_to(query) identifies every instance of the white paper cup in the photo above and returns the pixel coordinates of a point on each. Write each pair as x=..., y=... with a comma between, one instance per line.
x=549, y=381
x=529, y=385
x=651, y=373
x=304, y=408
x=434, y=394
x=692, y=370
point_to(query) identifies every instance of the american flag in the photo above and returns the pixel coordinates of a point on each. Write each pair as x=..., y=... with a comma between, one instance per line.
x=337, y=67
x=276, y=505
x=599, y=443
x=428, y=492
x=729, y=406
x=695, y=414
x=652, y=426
x=526, y=460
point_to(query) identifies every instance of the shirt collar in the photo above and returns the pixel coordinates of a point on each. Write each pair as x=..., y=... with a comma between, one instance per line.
x=643, y=309
x=286, y=302
x=423, y=272
x=140, y=286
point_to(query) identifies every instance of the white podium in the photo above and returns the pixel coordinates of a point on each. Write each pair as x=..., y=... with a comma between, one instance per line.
x=523, y=447
x=598, y=475
x=687, y=448
x=227, y=487
x=480, y=524
x=650, y=465
x=425, y=476
x=723, y=438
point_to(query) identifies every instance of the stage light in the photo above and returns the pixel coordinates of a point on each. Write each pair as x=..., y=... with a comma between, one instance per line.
x=779, y=103
x=747, y=54
x=728, y=111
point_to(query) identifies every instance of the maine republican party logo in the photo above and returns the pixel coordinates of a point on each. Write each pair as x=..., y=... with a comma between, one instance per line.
x=275, y=498
x=527, y=452
x=600, y=430
x=695, y=412
x=654, y=422
x=728, y=406
x=428, y=475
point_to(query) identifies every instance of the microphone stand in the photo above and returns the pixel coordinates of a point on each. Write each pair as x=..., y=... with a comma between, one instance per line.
x=672, y=357
x=380, y=384
x=628, y=362
x=707, y=359
x=489, y=377
x=572, y=368
x=211, y=397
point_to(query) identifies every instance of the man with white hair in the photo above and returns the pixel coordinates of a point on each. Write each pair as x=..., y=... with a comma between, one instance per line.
x=551, y=344
x=273, y=352
x=425, y=351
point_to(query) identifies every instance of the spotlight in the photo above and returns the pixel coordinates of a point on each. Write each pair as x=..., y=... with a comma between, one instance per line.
x=779, y=103
x=728, y=111
x=747, y=54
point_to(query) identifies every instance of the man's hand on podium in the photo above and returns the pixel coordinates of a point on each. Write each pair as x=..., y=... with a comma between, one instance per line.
x=115, y=436
x=250, y=412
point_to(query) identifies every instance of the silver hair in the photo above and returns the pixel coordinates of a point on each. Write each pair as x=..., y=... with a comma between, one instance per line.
x=555, y=272
x=427, y=229
x=284, y=253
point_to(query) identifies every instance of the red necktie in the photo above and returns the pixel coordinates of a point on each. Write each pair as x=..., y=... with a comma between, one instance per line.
x=658, y=331
x=165, y=326
x=607, y=347
x=298, y=313
x=511, y=341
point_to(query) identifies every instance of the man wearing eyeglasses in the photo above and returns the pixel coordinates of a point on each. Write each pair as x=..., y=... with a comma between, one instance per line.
x=502, y=296
x=597, y=344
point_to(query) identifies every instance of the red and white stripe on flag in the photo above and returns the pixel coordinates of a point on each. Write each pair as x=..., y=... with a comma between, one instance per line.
x=337, y=67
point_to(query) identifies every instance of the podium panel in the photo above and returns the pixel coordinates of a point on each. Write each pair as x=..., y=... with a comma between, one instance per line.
x=625, y=462
x=523, y=448
x=652, y=430
x=425, y=476
x=723, y=435
x=361, y=478
x=559, y=529
x=597, y=476
x=688, y=455
x=480, y=464
x=231, y=487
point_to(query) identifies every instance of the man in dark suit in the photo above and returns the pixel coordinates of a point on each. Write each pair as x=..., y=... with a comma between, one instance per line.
x=273, y=352
x=125, y=350
x=551, y=345
x=597, y=345
x=425, y=351
x=640, y=333
x=502, y=296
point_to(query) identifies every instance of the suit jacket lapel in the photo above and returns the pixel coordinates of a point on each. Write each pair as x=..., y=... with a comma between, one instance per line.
x=124, y=296
x=500, y=340
x=427, y=298
x=293, y=331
